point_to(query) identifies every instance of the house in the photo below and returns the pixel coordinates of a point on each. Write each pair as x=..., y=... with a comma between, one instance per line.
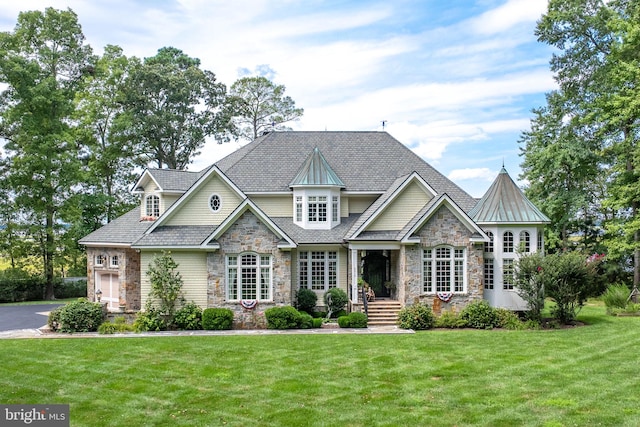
x=317, y=210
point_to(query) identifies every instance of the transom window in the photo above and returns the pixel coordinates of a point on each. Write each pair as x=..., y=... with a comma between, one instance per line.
x=153, y=206
x=507, y=242
x=525, y=241
x=249, y=277
x=215, y=202
x=444, y=270
x=318, y=270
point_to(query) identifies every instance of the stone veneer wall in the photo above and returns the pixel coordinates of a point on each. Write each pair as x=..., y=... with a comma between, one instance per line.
x=249, y=234
x=128, y=273
x=443, y=228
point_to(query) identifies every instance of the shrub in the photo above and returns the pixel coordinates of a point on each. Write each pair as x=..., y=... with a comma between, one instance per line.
x=118, y=325
x=54, y=319
x=70, y=289
x=306, y=321
x=20, y=285
x=166, y=285
x=451, y=320
x=343, y=321
x=307, y=300
x=317, y=322
x=417, y=317
x=107, y=328
x=149, y=320
x=335, y=299
x=79, y=316
x=616, y=296
x=529, y=279
x=507, y=319
x=217, y=319
x=285, y=317
x=479, y=315
x=357, y=320
x=188, y=317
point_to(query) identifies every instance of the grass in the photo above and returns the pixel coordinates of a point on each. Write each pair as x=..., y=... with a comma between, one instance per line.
x=580, y=376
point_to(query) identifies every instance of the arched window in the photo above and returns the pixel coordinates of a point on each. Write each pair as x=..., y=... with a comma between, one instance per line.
x=507, y=242
x=488, y=246
x=249, y=277
x=153, y=206
x=525, y=241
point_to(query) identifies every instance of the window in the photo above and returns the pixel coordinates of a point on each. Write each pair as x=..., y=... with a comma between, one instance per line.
x=100, y=259
x=507, y=274
x=488, y=246
x=507, y=242
x=540, y=241
x=215, y=202
x=249, y=277
x=525, y=241
x=115, y=261
x=444, y=270
x=317, y=208
x=153, y=206
x=298, y=208
x=334, y=209
x=318, y=270
x=488, y=273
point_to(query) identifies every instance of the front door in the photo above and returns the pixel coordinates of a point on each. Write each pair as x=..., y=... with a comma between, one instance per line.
x=376, y=271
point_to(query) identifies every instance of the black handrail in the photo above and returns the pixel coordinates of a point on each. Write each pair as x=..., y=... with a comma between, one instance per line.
x=365, y=303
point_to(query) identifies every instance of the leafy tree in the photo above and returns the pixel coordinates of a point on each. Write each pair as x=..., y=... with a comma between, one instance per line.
x=42, y=62
x=174, y=106
x=530, y=284
x=257, y=104
x=166, y=285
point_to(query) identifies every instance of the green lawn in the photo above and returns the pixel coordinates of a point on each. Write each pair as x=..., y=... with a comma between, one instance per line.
x=585, y=376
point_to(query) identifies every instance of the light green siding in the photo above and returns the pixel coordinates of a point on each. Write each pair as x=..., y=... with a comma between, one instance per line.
x=404, y=207
x=275, y=206
x=196, y=210
x=193, y=269
x=359, y=204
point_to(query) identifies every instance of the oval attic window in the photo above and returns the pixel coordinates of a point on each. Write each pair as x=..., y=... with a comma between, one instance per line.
x=215, y=202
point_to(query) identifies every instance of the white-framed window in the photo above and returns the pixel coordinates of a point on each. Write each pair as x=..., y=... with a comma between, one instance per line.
x=507, y=242
x=317, y=208
x=152, y=206
x=298, y=208
x=525, y=241
x=540, y=241
x=488, y=273
x=508, y=274
x=318, y=270
x=488, y=246
x=100, y=260
x=444, y=269
x=249, y=277
x=115, y=261
x=215, y=202
x=335, y=208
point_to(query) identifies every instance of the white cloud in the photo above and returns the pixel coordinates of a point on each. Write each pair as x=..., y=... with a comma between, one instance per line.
x=483, y=174
x=508, y=15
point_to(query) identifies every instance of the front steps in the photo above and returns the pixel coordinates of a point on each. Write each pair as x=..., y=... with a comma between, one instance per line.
x=383, y=312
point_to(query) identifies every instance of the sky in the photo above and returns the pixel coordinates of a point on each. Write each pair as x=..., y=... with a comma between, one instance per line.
x=455, y=81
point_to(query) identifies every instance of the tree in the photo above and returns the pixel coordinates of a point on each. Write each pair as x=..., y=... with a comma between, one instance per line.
x=174, y=106
x=257, y=104
x=166, y=285
x=42, y=62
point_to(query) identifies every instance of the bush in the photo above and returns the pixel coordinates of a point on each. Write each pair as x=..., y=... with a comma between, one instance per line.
x=335, y=299
x=107, y=328
x=616, y=296
x=507, y=319
x=70, y=289
x=149, y=320
x=479, y=315
x=343, y=321
x=417, y=317
x=217, y=319
x=357, y=320
x=307, y=300
x=317, y=322
x=54, y=319
x=78, y=316
x=451, y=320
x=118, y=325
x=188, y=317
x=285, y=317
x=19, y=285
x=306, y=321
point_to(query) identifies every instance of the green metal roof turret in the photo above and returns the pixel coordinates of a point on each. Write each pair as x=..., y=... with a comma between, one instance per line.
x=316, y=172
x=504, y=202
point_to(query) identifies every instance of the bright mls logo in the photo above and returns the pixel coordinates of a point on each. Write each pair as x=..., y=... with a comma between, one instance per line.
x=34, y=415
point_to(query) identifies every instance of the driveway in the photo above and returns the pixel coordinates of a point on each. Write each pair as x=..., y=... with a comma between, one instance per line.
x=24, y=316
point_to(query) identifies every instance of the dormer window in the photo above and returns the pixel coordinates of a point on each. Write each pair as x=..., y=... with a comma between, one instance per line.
x=152, y=206
x=316, y=208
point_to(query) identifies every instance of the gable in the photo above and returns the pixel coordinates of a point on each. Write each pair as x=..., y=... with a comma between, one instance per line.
x=197, y=211
x=402, y=209
x=444, y=227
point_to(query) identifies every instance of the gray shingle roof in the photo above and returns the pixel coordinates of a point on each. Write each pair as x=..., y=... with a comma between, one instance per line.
x=176, y=235
x=125, y=229
x=302, y=236
x=504, y=202
x=174, y=180
x=364, y=161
